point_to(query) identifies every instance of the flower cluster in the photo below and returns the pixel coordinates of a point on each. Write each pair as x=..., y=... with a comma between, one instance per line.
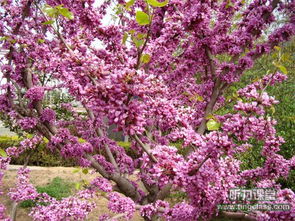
x=4, y=161
x=24, y=190
x=67, y=208
x=2, y=213
x=164, y=171
x=35, y=93
x=27, y=123
x=48, y=115
x=284, y=197
x=28, y=143
x=120, y=204
x=102, y=184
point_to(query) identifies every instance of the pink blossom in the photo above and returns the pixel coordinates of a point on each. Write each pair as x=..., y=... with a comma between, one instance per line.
x=102, y=183
x=120, y=204
x=35, y=93
x=28, y=123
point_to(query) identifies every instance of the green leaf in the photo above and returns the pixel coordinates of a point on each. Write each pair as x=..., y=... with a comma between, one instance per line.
x=141, y=35
x=129, y=4
x=76, y=170
x=85, y=182
x=125, y=36
x=199, y=98
x=185, y=93
x=286, y=57
x=77, y=186
x=212, y=125
x=273, y=110
x=179, y=51
x=85, y=170
x=3, y=153
x=145, y=58
x=66, y=13
x=50, y=22
x=196, y=97
x=137, y=42
x=4, y=38
x=210, y=116
x=229, y=4
x=119, y=10
x=81, y=140
x=51, y=12
x=142, y=18
x=40, y=41
x=283, y=69
x=155, y=3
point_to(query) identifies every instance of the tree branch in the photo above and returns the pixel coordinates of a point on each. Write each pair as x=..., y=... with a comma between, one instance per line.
x=145, y=148
x=209, y=108
x=164, y=192
x=194, y=171
x=237, y=216
x=99, y=133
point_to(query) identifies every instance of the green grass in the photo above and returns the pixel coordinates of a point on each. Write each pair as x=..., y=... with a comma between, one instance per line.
x=57, y=188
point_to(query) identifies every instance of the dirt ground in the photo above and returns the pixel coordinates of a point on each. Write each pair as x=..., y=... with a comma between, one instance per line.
x=43, y=175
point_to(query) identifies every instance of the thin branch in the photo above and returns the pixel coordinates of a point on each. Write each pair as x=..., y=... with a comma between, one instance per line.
x=96, y=166
x=145, y=148
x=100, y=133
x=164, y=192
x=218, y=88
x=140, y=51
x=194, y=171
x=13, y=211
x=211, y=63
x=120, y=215
x=56, y=30
x=237, y=216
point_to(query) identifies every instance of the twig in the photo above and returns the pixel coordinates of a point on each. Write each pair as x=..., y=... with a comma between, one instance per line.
x=145, y=148
x=13, y=211
x=116, y=216
x=194, y=171
x=99, y=133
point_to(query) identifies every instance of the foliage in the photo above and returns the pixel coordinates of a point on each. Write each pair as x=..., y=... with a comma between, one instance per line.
x=44, y=157
x=41, y=156
x=283, y=112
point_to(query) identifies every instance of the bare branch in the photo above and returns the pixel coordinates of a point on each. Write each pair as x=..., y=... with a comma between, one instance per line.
x=164, y=192
x=218, y=86
x=237, y=216
x=145, y=148
x=120, y=215
x=99, y=133
x=194, y=171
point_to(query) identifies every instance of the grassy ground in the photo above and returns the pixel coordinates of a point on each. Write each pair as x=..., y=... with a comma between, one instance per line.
x=52, y=179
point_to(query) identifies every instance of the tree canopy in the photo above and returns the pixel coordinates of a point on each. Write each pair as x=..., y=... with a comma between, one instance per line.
x=159, y=72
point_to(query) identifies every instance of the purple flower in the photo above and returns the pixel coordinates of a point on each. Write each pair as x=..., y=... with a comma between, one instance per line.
x=27, y=123
x=35, y=93
x=48, y=115
x=102, y=183
x=120, y=204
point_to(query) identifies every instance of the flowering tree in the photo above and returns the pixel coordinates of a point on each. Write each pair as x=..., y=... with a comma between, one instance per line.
x=159, y=73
